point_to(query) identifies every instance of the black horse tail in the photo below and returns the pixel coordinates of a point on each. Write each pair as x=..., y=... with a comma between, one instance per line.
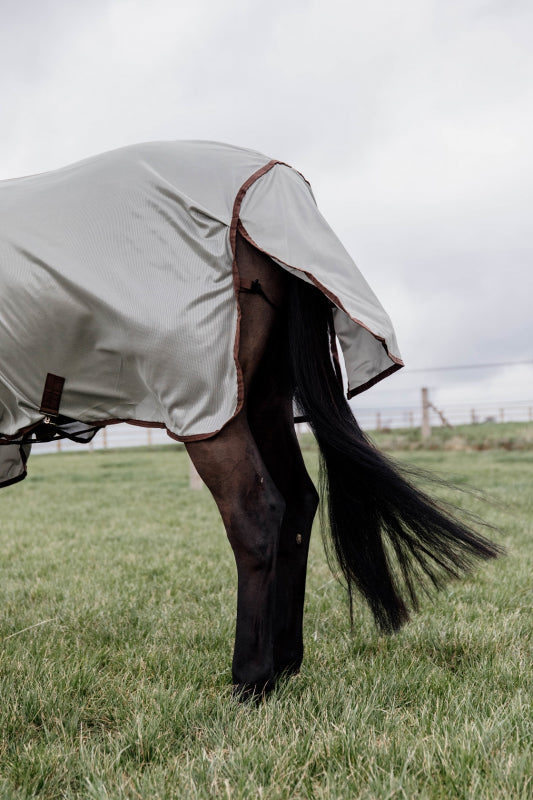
x=389, y=538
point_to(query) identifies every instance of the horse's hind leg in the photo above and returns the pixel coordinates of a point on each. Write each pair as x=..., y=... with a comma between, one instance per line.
x=251, y=506
x=252, y=510
x=271, y=419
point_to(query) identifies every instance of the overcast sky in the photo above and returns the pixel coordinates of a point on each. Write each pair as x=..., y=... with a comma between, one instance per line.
x=412, y=120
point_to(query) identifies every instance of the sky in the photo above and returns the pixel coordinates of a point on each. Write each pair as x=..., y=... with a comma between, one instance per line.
x=412, y=119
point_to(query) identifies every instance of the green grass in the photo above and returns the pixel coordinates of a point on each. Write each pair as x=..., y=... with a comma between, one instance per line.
x=117, y=612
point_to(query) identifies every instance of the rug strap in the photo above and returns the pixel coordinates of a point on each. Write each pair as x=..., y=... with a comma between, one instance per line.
x=53, y=389
x=254, y=287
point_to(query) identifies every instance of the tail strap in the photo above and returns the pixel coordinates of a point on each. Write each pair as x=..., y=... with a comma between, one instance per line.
x=254, y=287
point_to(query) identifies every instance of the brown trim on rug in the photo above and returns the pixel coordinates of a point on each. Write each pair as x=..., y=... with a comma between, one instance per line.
x=234, y=226
x=240, y=197
x=15, y=438
x=12, y=438
x=398, y=363
x=376, y=379
x=334, y=299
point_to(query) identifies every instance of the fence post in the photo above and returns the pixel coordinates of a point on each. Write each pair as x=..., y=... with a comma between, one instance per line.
x=426, y=428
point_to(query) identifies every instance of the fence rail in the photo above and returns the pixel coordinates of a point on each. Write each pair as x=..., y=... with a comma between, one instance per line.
x=123, y=435
x=453, y=414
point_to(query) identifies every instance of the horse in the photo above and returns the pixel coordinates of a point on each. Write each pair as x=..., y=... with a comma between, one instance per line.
x=388, y=539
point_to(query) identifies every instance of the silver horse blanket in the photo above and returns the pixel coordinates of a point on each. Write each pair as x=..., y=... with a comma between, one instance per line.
x=120, y=299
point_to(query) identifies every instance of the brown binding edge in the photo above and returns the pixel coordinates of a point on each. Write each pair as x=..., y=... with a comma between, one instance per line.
x=234, y=226
x=397, y=362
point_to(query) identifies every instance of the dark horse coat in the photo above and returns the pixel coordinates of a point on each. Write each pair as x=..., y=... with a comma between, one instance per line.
x=120, y=292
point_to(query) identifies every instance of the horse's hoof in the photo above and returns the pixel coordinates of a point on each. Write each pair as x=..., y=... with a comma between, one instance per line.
x=252, y=692
x=289, y=669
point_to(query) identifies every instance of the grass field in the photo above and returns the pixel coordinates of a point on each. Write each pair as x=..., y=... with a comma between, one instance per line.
x=117, y=610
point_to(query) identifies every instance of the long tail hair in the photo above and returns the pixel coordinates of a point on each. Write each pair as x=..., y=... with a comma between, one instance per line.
x=389, y=538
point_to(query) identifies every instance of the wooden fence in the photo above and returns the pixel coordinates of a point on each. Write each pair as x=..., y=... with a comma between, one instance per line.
x=425, y=416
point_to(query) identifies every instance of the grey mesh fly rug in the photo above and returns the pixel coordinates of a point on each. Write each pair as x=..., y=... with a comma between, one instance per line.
x=120, y=290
